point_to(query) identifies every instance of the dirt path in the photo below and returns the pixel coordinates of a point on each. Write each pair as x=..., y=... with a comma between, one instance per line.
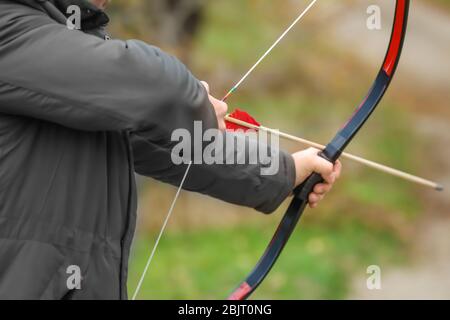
x=425, y=70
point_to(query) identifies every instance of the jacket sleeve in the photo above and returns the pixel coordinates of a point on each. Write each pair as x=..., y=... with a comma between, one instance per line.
x=240, y=184
x=84, y=82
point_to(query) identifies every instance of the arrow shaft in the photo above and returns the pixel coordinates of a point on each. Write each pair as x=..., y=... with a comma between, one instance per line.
x=368, y=163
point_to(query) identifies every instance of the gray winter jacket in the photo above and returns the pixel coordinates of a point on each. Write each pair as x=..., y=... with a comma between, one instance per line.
x=79, y=115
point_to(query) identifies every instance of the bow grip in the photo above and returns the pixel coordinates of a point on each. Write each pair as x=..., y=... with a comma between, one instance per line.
x=303, y=191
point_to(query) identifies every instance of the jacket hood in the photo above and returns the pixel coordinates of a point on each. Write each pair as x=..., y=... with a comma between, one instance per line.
x=91, y=16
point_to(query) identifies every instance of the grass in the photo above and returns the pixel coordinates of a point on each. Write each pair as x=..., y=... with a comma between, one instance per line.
x=318, y=262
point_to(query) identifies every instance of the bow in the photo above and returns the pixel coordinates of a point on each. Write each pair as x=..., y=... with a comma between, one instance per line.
x=331, y=153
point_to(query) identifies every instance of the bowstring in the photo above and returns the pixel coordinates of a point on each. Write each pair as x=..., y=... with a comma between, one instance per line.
x=180, y=188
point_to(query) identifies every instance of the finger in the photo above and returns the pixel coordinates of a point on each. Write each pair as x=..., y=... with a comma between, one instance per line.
x=315, y=198
x=313, y=205
x=337, y=169
x=221, y=124
x=324, y=168
x=220, y=107
x=206, y=85
x=322, y=188
x=221, y=110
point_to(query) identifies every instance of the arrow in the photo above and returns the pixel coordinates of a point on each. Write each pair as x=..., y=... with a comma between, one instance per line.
x=380, y=167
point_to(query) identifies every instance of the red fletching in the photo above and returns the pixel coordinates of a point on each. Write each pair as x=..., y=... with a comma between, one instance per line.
x=243, y=116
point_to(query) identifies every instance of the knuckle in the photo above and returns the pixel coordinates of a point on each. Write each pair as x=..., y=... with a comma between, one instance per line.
x=224, y=107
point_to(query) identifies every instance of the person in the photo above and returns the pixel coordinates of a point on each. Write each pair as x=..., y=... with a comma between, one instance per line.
x=80, y=115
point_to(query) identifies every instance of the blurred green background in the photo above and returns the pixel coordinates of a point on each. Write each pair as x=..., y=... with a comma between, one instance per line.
x=308, y=87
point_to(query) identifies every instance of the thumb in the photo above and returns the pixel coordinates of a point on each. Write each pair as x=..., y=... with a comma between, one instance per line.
x=324, y=168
